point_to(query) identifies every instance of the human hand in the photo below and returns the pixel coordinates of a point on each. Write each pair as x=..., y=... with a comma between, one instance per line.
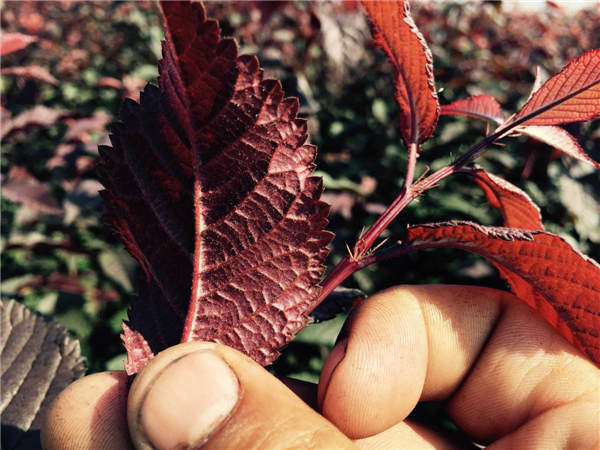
x=508, y=379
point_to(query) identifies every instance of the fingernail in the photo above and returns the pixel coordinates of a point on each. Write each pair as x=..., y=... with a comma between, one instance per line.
x=189, y=399
x=335, y=358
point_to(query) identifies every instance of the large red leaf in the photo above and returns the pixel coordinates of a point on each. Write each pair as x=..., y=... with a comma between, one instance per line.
x=542, y=269
x=208, y=184
x=482, y=106
x=398, y=35
x=516, y=206
x=573, y=95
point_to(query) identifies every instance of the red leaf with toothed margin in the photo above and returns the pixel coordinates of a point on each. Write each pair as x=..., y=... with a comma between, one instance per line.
x=208, y=184
x=573, y=95
x=484, y=107
x=396, y=32
x=516, y=206
x=542, y=269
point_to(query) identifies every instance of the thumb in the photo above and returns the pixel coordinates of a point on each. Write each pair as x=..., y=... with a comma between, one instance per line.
x=210, y=395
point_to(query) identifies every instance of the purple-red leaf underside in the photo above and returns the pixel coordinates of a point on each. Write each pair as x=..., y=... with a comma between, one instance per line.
x=208, y=184
x=517, y=208
x=573, y=95
x=542, y=269
x=484, y=107
x=398, y=35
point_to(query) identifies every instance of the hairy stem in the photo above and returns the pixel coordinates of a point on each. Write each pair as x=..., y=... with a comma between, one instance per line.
x=391, y=252
x=360, y=257
x=366, y=240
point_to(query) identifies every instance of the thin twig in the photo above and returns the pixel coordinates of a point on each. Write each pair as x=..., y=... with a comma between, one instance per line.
x=360, y=257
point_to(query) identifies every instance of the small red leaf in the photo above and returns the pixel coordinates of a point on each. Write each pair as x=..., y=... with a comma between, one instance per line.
x=12, y=42
x=483, y=107
x=110, y=82
x=80, y=129
x=516, y=206
x=38, y=116
x=34, y=72
x=398, y=35
x=573, y=95
x=208, y=184
x=542, y=269
x=138, y=350
x=560, y=139
x=21, y=187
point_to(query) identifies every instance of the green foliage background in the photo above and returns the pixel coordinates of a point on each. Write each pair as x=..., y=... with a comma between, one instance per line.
x=68, y=265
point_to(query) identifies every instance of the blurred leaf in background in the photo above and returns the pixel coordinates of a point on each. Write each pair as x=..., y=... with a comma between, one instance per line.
x=57, y=256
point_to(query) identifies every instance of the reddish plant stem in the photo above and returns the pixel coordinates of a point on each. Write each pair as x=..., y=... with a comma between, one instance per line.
x=366, y=240
x=413, y=154
x=346, y=267
x=360, y=257
x=391, y=252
